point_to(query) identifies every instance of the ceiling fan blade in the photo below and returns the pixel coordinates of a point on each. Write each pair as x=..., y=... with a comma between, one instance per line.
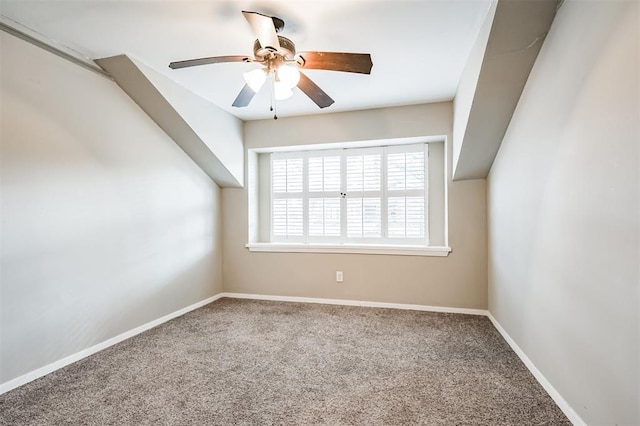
x=337, y=61
x=244, y=97
x=205, y=61
x=263, y=28
x=315, y=93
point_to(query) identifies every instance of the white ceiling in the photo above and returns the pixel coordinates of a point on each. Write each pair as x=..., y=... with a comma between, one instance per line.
x=418, y=48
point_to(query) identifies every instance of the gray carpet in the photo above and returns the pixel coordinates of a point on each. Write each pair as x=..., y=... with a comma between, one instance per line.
x=255, y=362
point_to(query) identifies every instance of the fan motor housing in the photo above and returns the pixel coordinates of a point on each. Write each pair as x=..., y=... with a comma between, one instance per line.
x=287, y=49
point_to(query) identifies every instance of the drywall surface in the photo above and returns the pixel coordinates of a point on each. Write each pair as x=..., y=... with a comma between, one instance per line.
x=218, y=129
x=564, y=216
x=468, y=82
x=210, y=136
x=106, y=224
x=458, y=280
x=517, y=31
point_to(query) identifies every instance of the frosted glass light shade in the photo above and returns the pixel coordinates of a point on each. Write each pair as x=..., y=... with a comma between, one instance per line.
x=255, y=79
x=289, y=75
x=281, y=91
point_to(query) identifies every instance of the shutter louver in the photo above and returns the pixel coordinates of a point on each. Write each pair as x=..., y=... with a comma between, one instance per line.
x=279, y=176
x=363, y=218
x=354, y=218
x=396, y=217
x=372, y=218
x=331, y=174
x=294, y=175
x=294, y=217
x=414, y=217
x=279, y=218
x=396, y=172
x=287, y=217
x=324, y=217
x=316, y=174
x=405, y=171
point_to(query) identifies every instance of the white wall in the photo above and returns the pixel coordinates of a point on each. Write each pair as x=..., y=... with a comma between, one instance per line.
x=106, y=224
x=458, y=280
x=564, y=216
x=466, y=90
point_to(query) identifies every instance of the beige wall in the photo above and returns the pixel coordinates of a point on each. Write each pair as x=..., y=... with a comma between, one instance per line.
x=106, y=224
x=458, y=280
x=564, y=216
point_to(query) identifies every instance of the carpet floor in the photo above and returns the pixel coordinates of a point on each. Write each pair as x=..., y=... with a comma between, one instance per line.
x=245, y=362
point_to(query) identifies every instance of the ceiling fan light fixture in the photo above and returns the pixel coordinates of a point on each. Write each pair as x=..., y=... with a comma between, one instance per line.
x=289, y=76
x=255, y=79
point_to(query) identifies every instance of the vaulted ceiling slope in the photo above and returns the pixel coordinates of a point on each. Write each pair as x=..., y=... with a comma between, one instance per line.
x=207, y=134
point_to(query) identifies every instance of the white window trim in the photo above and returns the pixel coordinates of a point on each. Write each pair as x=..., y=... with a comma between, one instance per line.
x=402, y=250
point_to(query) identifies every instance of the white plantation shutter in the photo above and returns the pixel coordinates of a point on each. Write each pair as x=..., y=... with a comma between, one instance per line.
x=324, y=200
x=406, y=192
x=360, y=196
x=287, y=207
x=364, y=194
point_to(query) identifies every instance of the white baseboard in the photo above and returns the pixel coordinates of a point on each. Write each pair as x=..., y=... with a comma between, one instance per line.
x=347, y=302
x=33, y=375
x=553, y=393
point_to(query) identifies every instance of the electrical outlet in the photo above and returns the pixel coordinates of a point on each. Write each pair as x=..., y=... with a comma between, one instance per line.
x=339, y=276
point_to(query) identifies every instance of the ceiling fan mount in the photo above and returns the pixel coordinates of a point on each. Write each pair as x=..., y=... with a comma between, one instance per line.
x=286, y=49
x=282, y=64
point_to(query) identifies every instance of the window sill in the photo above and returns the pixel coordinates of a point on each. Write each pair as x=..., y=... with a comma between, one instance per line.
x=440, y=251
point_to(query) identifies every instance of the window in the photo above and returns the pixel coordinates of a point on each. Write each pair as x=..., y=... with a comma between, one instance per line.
x=372, y=195
x=368, y=197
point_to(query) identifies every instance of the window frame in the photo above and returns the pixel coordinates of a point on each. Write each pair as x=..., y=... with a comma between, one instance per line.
x=258, y=189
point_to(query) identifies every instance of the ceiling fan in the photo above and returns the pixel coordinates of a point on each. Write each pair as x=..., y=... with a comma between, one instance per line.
x=281, y=63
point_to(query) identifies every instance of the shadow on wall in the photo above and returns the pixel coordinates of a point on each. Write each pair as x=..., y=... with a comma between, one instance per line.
x=66, y=295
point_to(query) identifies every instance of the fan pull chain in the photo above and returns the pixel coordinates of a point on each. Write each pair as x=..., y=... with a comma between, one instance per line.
x=273, y=106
